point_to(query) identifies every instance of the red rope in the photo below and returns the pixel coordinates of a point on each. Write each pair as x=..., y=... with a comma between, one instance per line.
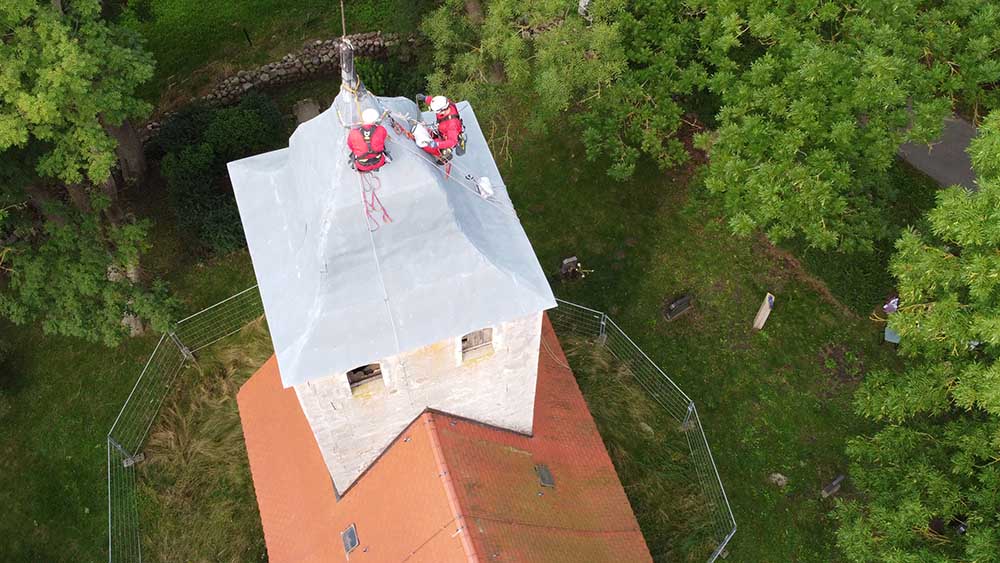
x=373, y=205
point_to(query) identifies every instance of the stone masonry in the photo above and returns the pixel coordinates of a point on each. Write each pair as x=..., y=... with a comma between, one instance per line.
x=353, y=426
x=316, y=58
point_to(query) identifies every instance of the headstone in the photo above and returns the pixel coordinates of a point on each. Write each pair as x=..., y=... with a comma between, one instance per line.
x=764, y=311
x=677, y=308
x=833, y=487
x=305, y=110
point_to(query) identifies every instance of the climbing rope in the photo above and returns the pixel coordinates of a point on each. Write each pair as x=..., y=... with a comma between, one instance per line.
x=370, y=184
x=468, y=181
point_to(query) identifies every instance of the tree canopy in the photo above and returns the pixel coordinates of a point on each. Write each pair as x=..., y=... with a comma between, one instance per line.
x=935, y=466
x=67, y=85
x=817, y=97
x=63, y=76
x=814, y=98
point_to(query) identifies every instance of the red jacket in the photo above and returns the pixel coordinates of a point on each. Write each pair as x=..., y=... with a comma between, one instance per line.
x=367, y=144
x=449, y=125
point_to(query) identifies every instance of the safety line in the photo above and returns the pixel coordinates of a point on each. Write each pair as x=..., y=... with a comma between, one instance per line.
x=385, y=297
x=456, y=179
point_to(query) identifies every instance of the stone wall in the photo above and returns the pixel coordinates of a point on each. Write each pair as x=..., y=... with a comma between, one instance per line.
x=317, y=58
x=353, y=426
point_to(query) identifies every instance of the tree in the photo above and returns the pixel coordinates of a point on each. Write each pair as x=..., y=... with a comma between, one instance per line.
x=68, y=84
x=935, y=465
x=522, y=62
x=618, y=71
x=817, y=98
x=67, y=91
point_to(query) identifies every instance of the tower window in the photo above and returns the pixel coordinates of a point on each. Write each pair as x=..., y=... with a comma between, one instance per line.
x=476, y=344
x=363, y=374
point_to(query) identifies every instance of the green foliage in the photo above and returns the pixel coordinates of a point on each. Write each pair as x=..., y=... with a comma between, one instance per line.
x=861, y=280
x=63, y=74
x=638, y=114
x=816, y=101
x=198, y=144
x=398, y=75
x=937, y=457
x=76, y=285
x=533, y=59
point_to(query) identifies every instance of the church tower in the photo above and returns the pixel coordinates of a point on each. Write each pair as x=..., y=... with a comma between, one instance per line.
x=392, y=292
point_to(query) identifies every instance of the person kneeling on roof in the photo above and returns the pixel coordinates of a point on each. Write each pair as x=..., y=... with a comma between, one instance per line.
x=449, y=137
x=367, y=143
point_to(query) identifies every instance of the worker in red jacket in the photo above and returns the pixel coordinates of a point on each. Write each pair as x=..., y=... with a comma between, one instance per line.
x=449, y=138
x=367, y=143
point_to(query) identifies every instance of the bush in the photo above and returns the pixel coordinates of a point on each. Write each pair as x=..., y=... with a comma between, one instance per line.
x=249, y=128
x=197, y=145
x=182, y=129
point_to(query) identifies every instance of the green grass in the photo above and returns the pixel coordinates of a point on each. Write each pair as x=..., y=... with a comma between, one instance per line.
x=197, y=500
x=862, y=280
x=195, y=42
x=650, y=453
x=772, y=401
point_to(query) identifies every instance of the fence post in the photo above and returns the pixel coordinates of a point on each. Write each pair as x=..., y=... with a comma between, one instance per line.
x=686, y=425
x=602, y=336
x=188, y=356
x=129, y=459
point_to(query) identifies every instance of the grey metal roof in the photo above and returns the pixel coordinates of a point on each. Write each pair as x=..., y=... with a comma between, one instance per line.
x=338, y=294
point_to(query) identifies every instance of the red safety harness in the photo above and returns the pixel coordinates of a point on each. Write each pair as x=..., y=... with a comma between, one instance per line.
x=370, y=156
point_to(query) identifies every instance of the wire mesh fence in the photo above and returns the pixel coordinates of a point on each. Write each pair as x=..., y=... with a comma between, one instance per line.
x=189, y=335
x=131, y=428
x=570, y=319
x=220, y=320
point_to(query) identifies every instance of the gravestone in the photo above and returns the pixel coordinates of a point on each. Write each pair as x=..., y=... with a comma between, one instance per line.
x=305, y=110
x=677, y=307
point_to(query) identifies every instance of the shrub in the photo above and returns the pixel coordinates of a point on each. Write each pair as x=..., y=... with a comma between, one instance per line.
x=184, y=128
x=198, y=144
x=202, y=200
x=249, y=128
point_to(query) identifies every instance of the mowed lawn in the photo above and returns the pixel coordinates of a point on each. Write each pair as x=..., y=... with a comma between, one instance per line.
x=196, y=42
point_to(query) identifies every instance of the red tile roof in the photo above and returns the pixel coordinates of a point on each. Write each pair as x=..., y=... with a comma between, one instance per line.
x=447, y=489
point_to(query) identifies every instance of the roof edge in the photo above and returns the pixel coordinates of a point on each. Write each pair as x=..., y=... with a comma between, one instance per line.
x=449, y=487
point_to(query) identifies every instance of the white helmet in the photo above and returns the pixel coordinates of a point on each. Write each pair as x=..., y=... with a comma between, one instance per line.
x=369, y=116
x=438, y=103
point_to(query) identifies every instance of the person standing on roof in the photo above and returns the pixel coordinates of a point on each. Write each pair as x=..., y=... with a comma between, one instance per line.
x=367, y=143
x=449, y=138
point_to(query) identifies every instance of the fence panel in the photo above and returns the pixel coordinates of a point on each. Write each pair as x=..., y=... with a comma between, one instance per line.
x=131, y=427
x=572, y=319
x=123, y=512
x=227, y=317
x=143, y=403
